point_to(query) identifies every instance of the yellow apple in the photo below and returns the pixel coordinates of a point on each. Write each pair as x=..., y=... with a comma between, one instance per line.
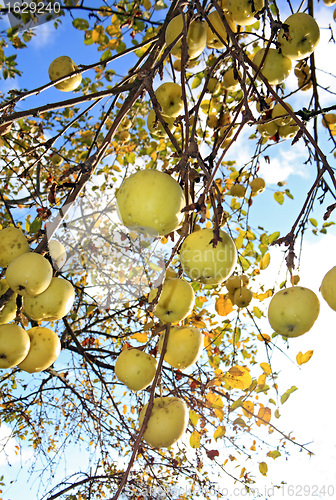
x=233, y=283
x=8, y=312
x=62, y=66
x=328, y=288
x=29, y=274
x=334, y=14
x=213, y=42
x=229, y=80
x=176, y=300
x=268, y=129
x=14, y=345
x=57, y=253
x=12, y=244
x=136, y=369
x=167, y=422
x=276, y=67
x=288, y=131
x=257, y=186
x=196, y=37
x=237, y=190
x=203, y=262
x=155, y=126
x=243, y=11
x=184, y=346
x=293, y=311
x=45, y=347
x=169, y=96
x=329, y=2
x=328, y=121
x=56, y=160
x=54, y=303
x=281, y=115
x=242, y=297
x=301, y=36
x=150, y=202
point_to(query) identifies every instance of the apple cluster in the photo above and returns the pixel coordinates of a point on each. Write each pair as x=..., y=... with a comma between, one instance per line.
x=277, y=122
x=45, y=298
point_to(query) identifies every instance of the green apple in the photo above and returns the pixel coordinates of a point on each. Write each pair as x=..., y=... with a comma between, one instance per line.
x=184, y=346
x=45, y=347
x=243, y=11
x=56, y=160
x=12, y=244
x=328, y=121
x=155, y=126
x=8, y=312
x=293, y=311
x=62, y=66
x=328, y=288
x=242, y=297
x=169, y=96
x=229, y=81
x=288, y=131
x=57, y=253
x=257, y=186
x=213, y=42
x=237, y=190
x=54, y=303
x=276, y=67
x=176, y=300
x=14, y=345
x=150, y=202
x=136, y=369
x=282, y=113
x=30, y=273
x=167, y=422
x=301, y=37
x=203, y=262
x=196, y=37
x=268, y=129
x=234, y=282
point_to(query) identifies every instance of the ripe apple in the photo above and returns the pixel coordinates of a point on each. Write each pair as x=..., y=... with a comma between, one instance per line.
x=45, y=347
x=136, y=369
x=268, y=129
x=155, y=126
x=29, y=274
x=276, y=67
x=167, y=422
x=229, y=81
x=54, y=303
x=56, y=160
x=257, y=186
x=150, y=202
x=12, y=244
x=237, y=190
x=57, y=253
x=243, y=11
x=284, y=117
x=328, y=288
x=213, y=42
x=242, y=297
x=328, y=121
x=293, y=311
x=62, y=66
x=288, y=131
x=184, y=346
x=196, y=37
x=233, y=283
x=203, y=262
x=169, y=96
x=14, y=345
x=329, y=2
x=301, y=36
x=8, y=312
x=176, y=300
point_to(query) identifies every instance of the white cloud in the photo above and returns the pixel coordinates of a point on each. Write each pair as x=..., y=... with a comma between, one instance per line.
x=11, y=451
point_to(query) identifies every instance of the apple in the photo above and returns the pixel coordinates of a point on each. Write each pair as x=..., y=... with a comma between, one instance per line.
x=184, y=346
x=288, y=131
x=57, y=253
x=328, y=288
x=176, y=300
x=14, y=345
x=265, y=105
x=8, y=312
x=155, y=126
x=301, y=36
x=329, y=2
x=126, y=123
x=229, y=80
x=305, y=83
x=203, y=262
x=214, y=86
x=237, y=190
x=54, y=303
x=213, y=42
x=123, y=136
x=276, y=67
x=150, y=202
x=212, y=121
x=30, y=273
x=242, y=297
x=257, y=186
x=328, y=121
x=45, y=347
x=293, y=311
x=268, y=129
x=167, y=422
x=243, y=11
x=301, y=69
x=196, y=37
x=136, y=369
x=12, y=244
x=234, y=282
x=281, y=115
x=169, y=96
x=56, y=160
x=62, y=66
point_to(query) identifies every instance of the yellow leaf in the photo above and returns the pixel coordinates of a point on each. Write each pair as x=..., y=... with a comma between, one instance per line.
x=263, y=468
x=264, y=337
x=213, y=400
x=140, y=337
x=266, y=368
x=195, y=440
x=262, y=379
x=219, y=413
x=264, y=413
x=238, y=377
x=198, y=323
x=219, y=432
x=263, y=296
x=303, y=358
x=286, y=394
x=194, y=417
x=124, y=409
x=274, y=454
x=248, y=409
x=223, y=306
x=148, y=326
x=265, y=260
x=147, y=4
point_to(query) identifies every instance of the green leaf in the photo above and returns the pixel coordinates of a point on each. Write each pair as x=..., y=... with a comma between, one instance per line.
x=279, y=197
x=80, y=24
x=106, y=55
x=313, y=222
x=286, y=394
x=272, y=237
x=160, y=5
x=196, y=81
